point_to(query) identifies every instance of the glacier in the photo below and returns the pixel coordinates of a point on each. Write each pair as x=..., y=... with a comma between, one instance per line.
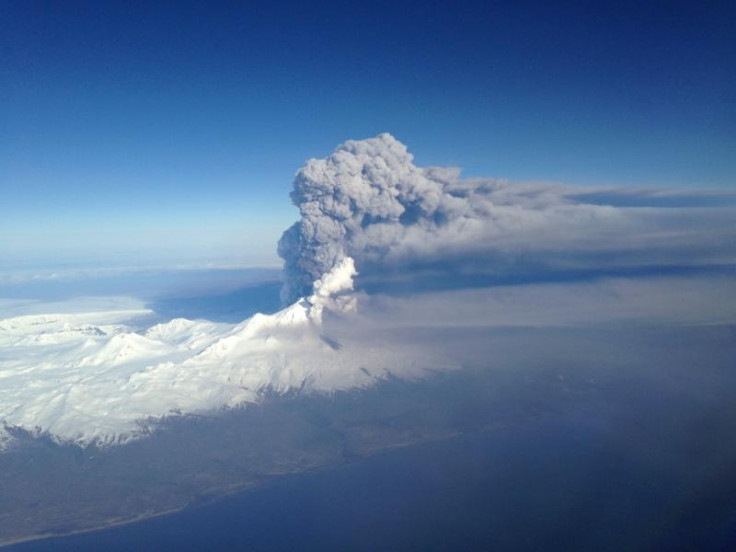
x=93, y=379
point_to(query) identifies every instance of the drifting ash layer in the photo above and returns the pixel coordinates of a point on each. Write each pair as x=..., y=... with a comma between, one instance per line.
x=369, y=201
x=102, y=383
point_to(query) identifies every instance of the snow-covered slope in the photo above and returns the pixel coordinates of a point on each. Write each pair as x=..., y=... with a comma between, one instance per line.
x=89, y=378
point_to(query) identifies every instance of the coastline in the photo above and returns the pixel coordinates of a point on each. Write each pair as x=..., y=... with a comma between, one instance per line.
x=216, y=497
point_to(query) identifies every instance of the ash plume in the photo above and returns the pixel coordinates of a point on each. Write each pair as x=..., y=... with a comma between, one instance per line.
x=368, y=201
x=361, y=202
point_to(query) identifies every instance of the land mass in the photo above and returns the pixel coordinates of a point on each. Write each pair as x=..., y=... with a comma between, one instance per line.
x=50, y=489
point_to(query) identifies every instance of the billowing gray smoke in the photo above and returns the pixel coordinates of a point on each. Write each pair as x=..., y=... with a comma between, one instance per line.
x=370, y=202
x=360, y=202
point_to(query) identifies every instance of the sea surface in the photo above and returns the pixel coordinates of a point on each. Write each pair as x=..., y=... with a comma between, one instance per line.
x=552, y=484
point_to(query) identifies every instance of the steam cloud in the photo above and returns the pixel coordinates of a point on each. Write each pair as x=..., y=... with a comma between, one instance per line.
x=370, y=202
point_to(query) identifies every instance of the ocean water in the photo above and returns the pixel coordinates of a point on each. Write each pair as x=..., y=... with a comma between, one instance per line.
x=552, y=484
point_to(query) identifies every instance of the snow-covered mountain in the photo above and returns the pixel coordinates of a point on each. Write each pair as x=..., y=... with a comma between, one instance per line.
x=91, y=378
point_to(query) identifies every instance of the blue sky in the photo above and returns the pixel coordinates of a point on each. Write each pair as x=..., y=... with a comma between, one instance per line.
x=151, y=134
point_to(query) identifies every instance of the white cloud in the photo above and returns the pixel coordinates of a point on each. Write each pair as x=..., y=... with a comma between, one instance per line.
x=11, y=308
